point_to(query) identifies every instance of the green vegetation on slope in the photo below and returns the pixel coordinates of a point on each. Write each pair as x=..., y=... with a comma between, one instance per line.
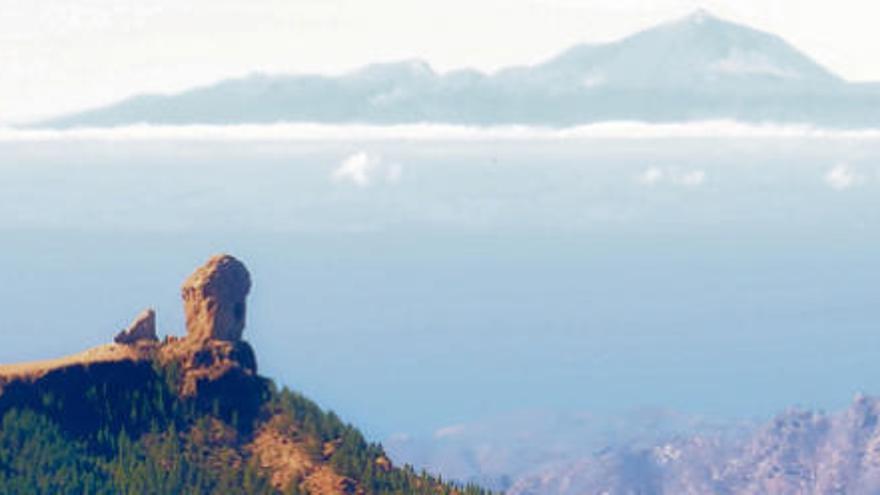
x=123, y=430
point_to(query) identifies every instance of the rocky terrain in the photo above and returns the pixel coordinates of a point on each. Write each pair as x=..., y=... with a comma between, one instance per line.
x=797, y=453
x=182, y=415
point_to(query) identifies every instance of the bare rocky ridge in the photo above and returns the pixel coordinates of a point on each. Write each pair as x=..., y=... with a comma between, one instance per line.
x=109, y=353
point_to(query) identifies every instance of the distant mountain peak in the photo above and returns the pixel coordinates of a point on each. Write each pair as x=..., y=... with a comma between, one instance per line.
x=697, y=53
x=700, y=16
x=702, y=20
x=698, y=67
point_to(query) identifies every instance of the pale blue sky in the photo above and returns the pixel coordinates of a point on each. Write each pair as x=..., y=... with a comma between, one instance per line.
x=63, y=55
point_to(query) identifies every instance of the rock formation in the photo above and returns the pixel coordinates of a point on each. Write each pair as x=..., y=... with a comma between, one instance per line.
x=214, y=300
x=212, y=361
x=212, y=358
x=142, y=329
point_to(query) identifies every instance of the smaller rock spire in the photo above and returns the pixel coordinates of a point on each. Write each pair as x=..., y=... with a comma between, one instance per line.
x=142, y=329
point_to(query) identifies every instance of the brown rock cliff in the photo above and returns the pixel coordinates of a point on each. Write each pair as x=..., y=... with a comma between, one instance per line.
x=214, y=300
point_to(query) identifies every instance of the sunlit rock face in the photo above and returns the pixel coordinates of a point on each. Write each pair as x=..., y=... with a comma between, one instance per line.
x=214, y=300
x=213, y=360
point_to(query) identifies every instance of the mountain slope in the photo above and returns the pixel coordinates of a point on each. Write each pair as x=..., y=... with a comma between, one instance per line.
x=186, y=415
x=797, y=453
x=696, y=68
x=699, y=51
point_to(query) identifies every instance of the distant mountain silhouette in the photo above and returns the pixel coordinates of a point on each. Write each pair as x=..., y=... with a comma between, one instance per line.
x=696, y=68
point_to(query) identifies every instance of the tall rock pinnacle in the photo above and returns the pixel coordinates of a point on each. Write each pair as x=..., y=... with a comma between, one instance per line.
x=214, y=300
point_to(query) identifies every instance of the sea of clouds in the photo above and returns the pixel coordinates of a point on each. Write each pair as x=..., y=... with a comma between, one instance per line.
x=435, y=132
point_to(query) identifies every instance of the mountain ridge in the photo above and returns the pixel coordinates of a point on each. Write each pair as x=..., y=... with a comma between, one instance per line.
x=798, y=452
x=700, y=67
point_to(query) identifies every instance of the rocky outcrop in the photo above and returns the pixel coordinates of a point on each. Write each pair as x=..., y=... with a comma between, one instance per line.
x=214, y=300
x=211, y=363
x=142, y=329
x=212, y=355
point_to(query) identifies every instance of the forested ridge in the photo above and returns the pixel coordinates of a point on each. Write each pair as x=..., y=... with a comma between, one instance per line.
x=123, y=429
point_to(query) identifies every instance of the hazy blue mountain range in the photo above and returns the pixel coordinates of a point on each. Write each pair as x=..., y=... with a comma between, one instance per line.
x=697, y=68
x=798, y=452
x=658, y=452
x=537, y=450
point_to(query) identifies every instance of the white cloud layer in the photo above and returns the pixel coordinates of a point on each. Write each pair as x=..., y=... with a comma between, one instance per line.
x=434, y=132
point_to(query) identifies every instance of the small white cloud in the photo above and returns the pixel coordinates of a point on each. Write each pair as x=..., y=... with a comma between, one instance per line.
x=449, y=431
x=356, y=169
x=651, y=176
x=363, y=169
x=842, y=177
x=694, y=178
x=656, y=175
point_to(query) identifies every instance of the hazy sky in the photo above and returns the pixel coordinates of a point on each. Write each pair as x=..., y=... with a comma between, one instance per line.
x=61, y=55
